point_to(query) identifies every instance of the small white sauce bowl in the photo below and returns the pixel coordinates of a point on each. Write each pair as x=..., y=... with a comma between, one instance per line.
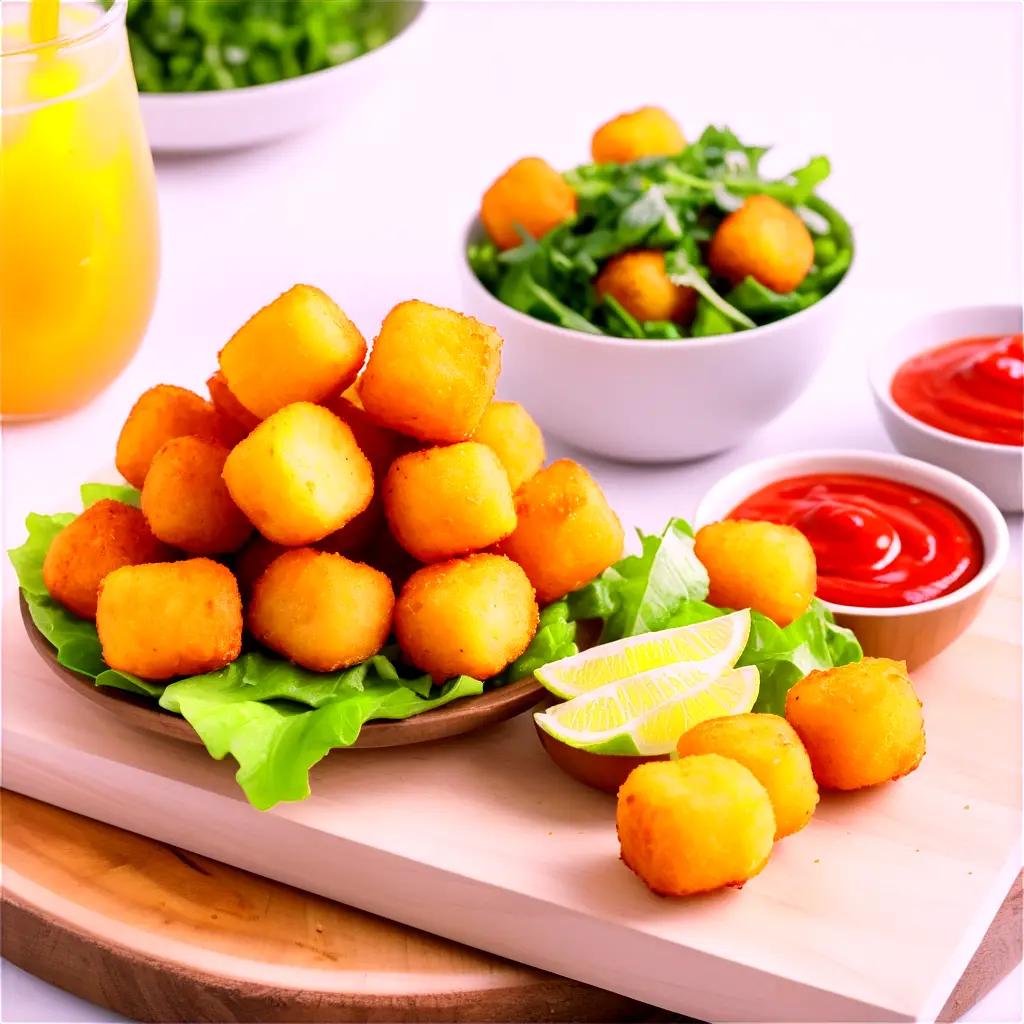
x=654, y=401
x=912, y=633
x=995, y=468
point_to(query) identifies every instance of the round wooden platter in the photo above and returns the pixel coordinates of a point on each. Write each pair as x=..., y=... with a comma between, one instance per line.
x=453, y=719
x=158, y=934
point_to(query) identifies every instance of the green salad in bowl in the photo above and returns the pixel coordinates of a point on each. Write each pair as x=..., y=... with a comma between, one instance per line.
x=660, y=239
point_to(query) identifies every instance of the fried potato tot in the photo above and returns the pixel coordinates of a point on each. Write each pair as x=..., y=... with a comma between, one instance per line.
x=252, y=560
x=162, y=413
x=861, y=723
x=470, y=616
x=566, y=532
x=694, y=825
x=379, y=444
x=299, y=475
x=104, y=537
x=530, y=194
x=442, y=502
x=764, y=240
x=321, y=610
x=649, y=131
x=300, y=348
x=768, y=746
x=638, y=282
x=236, y=421
x=765, y=566
x=187, y=503
x=431, y=373
x=170, y=618
x=511, y=433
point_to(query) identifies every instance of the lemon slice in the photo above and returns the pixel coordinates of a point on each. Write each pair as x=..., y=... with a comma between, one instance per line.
x=647, y=713
x=716, y=642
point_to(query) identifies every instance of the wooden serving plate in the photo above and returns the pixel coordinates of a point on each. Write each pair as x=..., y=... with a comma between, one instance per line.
x=453, y=719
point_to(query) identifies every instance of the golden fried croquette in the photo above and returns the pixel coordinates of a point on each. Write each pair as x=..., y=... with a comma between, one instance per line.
x=566, y=532
x=471, y=616
x=186, y=502
x=236, y=421
x=861, y=723
x=510, y=431
x=379, y=444
x=170, y=618
x=765, y=566
x=693, y=825
x=768, y=746
x=300, y=348
x=104, y=537
x=161, y=413
x=442, y=502
x=321, y=610
x=530, y=195
x=764, y=240
x=251, y=561
x=299, y=475
x=431, y=373
x=638, y=282
x=648, y=131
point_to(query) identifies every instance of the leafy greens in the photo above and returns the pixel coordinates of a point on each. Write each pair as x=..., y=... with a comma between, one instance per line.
x=672, y=203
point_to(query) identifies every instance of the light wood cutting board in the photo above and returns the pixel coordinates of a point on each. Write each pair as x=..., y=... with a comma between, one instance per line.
x=872, y=913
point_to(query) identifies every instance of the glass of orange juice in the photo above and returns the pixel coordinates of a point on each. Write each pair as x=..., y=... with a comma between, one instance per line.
x=79, y=241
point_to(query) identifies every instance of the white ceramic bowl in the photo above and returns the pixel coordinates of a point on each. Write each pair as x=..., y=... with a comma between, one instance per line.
x=654, y=401
x=193, y=122
x=914, y=633
x=995, y=468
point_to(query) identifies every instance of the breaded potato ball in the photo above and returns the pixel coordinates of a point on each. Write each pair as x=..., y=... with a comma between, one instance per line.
x=170, y=618
x=252, y=560
x=236, y=420
x=566, y=532
x=299, y=475
x=186, y=501
x=379, y=444
x=764, y=240
x=513, y=435
x=649, y=131
x=162, y=413
x=638, y=282
x=694, y=825
x=471, y=616
x=442, y=502
x=431, y=373
x=861, y=723
x=321, y=610
x=768, y=746
x=104, y=537
x=753, y=564
x=530, y=194
x=300, y=348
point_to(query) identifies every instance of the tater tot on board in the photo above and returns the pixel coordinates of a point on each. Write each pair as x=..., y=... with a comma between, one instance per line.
x=861, y=723
x=431, y=373
x=755, y=564
x=186, y=501
x=511, y=432
x=470, y=616
x=448, y=501
x=694, y=825
x=161, y=413
x=638, y=282
x=300, y=348
x=170, y=618
x=104, y=537
x=649, y=131
x=321, y=610
x=530, y=194
x=566, y=532
x=299, y=475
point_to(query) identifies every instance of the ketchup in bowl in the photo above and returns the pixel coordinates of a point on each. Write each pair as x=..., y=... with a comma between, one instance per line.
x=878, y=543
x=973, y=388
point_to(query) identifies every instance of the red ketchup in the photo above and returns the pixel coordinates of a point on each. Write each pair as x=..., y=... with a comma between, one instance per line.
x=973, y=388
x=878, y=543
